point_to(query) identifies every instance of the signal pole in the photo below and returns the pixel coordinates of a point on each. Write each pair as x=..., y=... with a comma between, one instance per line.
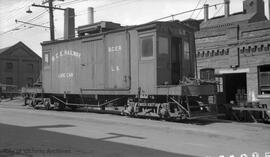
x=50, y=13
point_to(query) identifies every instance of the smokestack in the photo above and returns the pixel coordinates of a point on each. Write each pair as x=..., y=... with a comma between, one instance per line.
x=269, y=8
x=69, y=23
x=227, y=8
x=206, y=12
x=90, y=15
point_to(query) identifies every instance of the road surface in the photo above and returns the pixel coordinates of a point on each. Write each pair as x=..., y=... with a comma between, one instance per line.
x=28, y=132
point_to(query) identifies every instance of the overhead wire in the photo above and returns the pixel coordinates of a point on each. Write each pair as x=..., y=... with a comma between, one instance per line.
x=124, y=2
x=184, y=12
x=201, y=9
x=37, y=17
x=72, y=2
x=30, y=20
x=195, y=8
x=113, y=3
x=101, y=7
x=16, y=11
x=215, y=14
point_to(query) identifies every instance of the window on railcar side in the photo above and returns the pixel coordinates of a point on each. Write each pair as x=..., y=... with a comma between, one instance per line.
x=147, y=48
x=46, y=59
x=163, y=62
x=163, y=46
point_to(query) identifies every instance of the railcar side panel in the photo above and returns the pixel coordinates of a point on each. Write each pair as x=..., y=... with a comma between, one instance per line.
x=92, y=73
x=61, y=64
x=118, y=61
x=134, y=61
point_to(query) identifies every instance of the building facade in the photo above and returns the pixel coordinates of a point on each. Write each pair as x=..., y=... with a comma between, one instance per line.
x=19, y=65
x=234, y=49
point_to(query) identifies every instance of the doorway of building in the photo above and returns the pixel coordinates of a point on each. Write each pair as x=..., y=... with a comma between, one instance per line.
x=235, y=87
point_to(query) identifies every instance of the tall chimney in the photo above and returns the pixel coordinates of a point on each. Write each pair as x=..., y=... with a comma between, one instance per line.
x=90, y=15
x=206, y=12
x=269, y=8
x=69, y=23
x=227, y=8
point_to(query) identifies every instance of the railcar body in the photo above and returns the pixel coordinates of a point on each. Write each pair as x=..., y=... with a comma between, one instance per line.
x=127, y=65
x=120, y=61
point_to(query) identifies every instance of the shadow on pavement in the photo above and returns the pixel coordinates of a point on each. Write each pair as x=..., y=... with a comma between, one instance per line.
x=51, y=126
x=204, y=121
x=33, y=142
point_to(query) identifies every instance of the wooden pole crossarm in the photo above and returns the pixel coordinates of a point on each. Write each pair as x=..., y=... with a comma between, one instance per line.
x=47, y=1
x=44, y=6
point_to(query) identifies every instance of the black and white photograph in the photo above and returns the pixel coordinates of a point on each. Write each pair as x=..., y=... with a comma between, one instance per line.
x=134, y=78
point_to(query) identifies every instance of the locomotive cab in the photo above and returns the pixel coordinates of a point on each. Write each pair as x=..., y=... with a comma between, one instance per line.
x=166, y=55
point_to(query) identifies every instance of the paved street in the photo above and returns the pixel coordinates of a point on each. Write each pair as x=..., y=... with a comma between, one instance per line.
x=27, y=132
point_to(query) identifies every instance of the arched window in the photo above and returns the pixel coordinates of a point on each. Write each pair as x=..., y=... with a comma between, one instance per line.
x=203, y=54
x=198, y=54
x=222, y=52
x=213, y=53
x=227, y=51
x=208, y=54
x=207, y=74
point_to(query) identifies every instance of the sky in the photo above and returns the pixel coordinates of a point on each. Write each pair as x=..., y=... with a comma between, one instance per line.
x=125, y=12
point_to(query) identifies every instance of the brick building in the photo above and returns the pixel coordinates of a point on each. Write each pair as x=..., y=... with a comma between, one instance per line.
x=235, y=50
x=19, y=65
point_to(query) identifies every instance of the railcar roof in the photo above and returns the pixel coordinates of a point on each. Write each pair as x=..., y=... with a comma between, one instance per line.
x=123, y=28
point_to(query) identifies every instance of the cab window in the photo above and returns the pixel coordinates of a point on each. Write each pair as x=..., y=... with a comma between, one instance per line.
x=146, y=46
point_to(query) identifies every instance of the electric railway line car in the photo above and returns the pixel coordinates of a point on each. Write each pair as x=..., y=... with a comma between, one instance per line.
x=139, y=68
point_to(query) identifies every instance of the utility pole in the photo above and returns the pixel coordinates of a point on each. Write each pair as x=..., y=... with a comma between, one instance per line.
x=51, y=19
x=50, y=13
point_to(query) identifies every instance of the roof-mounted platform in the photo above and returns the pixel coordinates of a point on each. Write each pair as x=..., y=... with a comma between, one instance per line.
x=99, y=27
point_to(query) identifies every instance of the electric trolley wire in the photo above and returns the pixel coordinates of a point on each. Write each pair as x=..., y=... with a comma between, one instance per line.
x=30, y=20
x=195, y=8
x=113, y=3
x=201, y=9
x=218, y=11
x=184, y=12
x=102, y=7
x=162, y=18
x=72, y=2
